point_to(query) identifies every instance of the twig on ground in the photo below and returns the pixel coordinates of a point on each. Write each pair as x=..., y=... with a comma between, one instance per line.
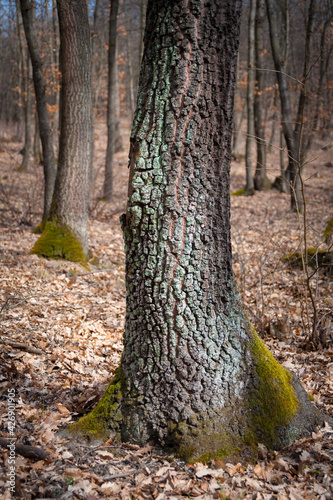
x=26, y=451
x=22, y=347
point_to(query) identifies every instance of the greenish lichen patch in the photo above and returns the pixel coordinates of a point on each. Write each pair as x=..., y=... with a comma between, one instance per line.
x=213, y=436
x=58, y=242
x=107, y=414
x=273, y=403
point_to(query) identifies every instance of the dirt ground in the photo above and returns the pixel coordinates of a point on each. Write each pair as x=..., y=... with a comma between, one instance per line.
x=61, y=339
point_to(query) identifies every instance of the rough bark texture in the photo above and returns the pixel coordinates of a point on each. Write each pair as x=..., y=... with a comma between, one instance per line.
x=194, y=375
x=67, y=229
x=43, y=116
x=111, y=111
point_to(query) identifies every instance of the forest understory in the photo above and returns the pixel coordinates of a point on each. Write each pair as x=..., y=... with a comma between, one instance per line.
x=61, y=331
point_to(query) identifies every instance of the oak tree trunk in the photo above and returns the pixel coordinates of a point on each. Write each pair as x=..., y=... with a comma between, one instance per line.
x=27, y=9
x=66, y=233
x=194, y=376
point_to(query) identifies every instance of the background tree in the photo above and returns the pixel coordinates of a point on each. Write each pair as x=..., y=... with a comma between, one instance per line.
x=293, y=136
x=27, y=9
x=111, y=109
x=25, y=88
x=250, y=137
x=261, y=181
x=194, y=375
x=66, y=233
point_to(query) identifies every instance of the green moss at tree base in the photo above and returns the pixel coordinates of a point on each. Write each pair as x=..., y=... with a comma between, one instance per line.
x=317, y=258
x=243, y=192
x=269, y=411
x=273, y=403
x=58, y=242
x=106, y=416
x=40, y=228
x=328, y=233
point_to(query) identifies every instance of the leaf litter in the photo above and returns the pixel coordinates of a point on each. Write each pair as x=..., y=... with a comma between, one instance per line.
x=61, y=332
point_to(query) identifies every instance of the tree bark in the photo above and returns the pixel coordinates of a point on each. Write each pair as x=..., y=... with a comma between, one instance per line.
x=27, y=9
x=194, y=376
x=66, y=234
x=250, y=138
x=111, y=118
x=261, y=181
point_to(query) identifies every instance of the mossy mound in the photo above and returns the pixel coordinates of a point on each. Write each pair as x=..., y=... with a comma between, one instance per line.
x=274, y=409
x=58, y=242
x=243, y=192
x=209, y=437
x=40, y=228
x=317, y=258
x=106, y=416
x=328, y=233
x=262, y=184
x=274, y=402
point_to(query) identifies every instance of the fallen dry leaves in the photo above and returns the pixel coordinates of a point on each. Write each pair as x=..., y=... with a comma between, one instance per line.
x=61, y=339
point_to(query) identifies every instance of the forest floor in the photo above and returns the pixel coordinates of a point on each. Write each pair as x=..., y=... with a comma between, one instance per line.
x=61, y=339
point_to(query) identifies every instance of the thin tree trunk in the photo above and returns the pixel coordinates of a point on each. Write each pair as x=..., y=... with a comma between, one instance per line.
x=303, y=98
x=130, y=76
x=287, y=120
x=94, y=58
x=143, y=13
x=25, y=75
x=27, y=114
x=118, y=137
x=250, y=138
x=55, y=30
x=322, y=73
x=37, y=154
x=238, y=131
x=112, y=63
x=261, y=181
x=273, y=120
x=41, y=100
x=21, y=66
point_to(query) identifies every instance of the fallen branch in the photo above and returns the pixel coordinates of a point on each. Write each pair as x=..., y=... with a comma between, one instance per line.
x=121, y=474
x=72, y=275
x=21, y=347
x=25, y=450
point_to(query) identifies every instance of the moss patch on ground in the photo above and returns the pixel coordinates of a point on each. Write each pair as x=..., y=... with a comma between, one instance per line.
x=58, y=242
x=274, y=402
x=328, y=233
x=243, y=192
x=317, y=258
x=107, y=414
